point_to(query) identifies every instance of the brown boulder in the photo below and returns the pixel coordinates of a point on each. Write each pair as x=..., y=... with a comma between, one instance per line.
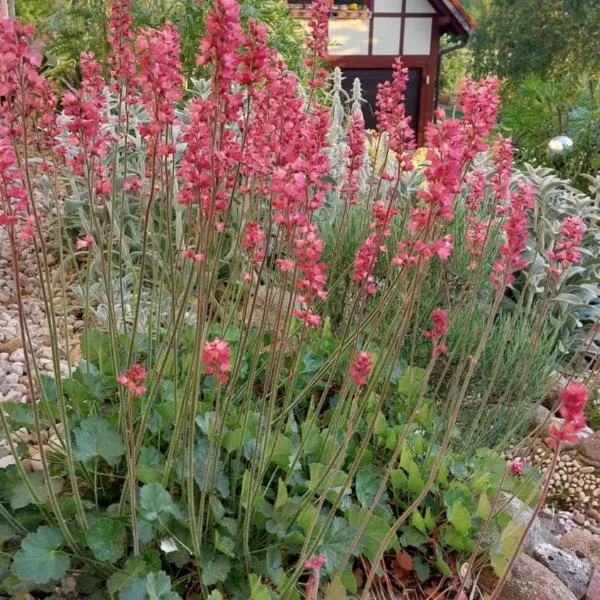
x=581, y=541
x=531, y=581
x=589, y=448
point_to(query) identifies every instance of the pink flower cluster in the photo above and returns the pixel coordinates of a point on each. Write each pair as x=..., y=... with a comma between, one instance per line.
x=479, y=104
x=567, y=249
x=515, y=233
x=86, y=241
x=191, y=255
x=361, y=368
x=502, y=156
x=216, y=359
x=392, y=118
x=159, y=79
x=573, y=399
x=366, y=256
x=318, y=39
x=515, y=467
x=439, y=318
x=254, y=242
x=121, y=57
x=86, y=124
x=311, y=283
x=315, y=563
x=354, y=156
x=132, y=380
x=26, y=97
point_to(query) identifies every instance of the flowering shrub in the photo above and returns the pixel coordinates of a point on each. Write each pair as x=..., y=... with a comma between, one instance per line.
x=229, y=431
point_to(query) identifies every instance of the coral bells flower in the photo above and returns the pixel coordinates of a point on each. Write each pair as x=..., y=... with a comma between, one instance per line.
x=216, y=359
x=573, y=400
x=566, y=250
x=515, y=467
x=121, y=57
x=159, y=76
x=361, y=368
x=84, y=242
x=254, y=242
x=502, y=156
x=515, y=232
x=479, y=103
x=195, y=256
x=318, y=39
x=355, y=157
x=439, y=318
x=315, y=563
x=132, y=380
x=391, y=115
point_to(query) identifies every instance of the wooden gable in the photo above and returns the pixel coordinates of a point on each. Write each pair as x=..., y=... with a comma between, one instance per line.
x=365, y=37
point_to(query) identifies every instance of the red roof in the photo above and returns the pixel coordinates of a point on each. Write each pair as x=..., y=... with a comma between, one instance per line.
x=461, y=9
x=460, y=16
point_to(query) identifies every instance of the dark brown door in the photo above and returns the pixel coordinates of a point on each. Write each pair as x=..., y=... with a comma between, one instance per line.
x=369, y=78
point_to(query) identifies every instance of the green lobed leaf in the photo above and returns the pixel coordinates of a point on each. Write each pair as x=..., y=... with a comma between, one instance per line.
x=106, y=538
x=335, y=544
x=158, y=587
x=460, y=517
x=156, y=503
x=130, y=581
x=95, y=437
x=215, y=568
x=373, y=533
x=20, y=497
x=258, y=590
x=39, y=560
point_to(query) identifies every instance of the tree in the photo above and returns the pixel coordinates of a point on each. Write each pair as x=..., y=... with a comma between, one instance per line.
x=517, y=38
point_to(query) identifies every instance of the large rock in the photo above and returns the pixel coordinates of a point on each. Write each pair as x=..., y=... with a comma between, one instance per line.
x=574, y=572
x=593, y=591
x=583, y=543
x=530, y=580
x=590, y=449
x=539, y=532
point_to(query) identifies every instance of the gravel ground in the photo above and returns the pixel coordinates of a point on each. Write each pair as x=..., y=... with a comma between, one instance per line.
x=14, y=384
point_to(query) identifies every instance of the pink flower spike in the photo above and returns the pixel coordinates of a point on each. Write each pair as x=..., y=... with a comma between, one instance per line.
x=85, y=242
x=516, y=466
x=439, y=318
x=216, y=359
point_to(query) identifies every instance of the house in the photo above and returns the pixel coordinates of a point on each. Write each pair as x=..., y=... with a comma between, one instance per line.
x=365, y=39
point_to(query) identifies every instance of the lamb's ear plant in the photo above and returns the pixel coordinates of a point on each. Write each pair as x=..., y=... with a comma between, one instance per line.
x=240, y=419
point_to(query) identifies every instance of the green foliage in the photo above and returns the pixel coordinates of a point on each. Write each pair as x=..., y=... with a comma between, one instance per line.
x=541, y=109
x=95, y=437
x=106, y=538
x=342, y=527
x=82, y=26
x=40, y=559
x=535, y=37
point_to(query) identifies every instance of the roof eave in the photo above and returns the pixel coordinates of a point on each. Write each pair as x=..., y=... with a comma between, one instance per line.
x=463, y=24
